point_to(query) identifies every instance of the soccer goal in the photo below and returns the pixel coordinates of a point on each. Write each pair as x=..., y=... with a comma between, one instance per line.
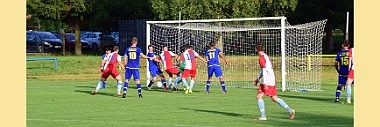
x=289, y=47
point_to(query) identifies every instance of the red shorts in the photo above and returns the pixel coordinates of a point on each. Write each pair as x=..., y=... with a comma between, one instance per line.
x=172, y=71
x=351, y=74
x=270, y=92
x=187, y=73
x=114, y=73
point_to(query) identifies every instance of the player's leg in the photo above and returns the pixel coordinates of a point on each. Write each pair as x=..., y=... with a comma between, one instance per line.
x=210, y=72
x=128, y=75
x=103, y=78
x=341, y=82
x=185, y=75
x=272, y=93
x=116, y=75
x=218, y=73
x=163, y=80
x=175, y=71
x=170, y=79
x=136, y=76
x=192, y=74
x=104, y=83
x=153, y=73
x=348, y=85
x=260, y=103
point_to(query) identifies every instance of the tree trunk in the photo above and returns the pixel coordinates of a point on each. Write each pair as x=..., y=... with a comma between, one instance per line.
x=78, y=44
x=329, y=39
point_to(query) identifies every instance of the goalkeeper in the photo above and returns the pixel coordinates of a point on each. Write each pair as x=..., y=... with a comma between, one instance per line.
x=181, y=69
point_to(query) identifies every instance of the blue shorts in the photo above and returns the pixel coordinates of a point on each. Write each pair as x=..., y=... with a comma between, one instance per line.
x=214, y=69
x=154, y=72
x=342, y=79
x=130, y=72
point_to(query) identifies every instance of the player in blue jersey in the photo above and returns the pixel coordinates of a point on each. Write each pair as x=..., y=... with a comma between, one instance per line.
x=154, y=69
x=104, y=57
x=133, y=54
x=341, y=66
x=212, y=56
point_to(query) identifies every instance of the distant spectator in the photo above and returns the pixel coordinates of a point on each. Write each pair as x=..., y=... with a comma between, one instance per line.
x=28, y=16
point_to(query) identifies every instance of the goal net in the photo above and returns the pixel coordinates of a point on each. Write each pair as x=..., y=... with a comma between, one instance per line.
x=290, y=48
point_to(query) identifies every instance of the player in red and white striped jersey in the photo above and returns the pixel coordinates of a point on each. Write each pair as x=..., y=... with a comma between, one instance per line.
x=268, y=84
x=350, y=78
x=191, y=68
x=166, y=58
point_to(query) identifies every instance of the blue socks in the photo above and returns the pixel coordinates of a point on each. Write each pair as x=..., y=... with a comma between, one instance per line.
x=348, y=93
x=104, y=84
x=337, y=93
x=260, y=103
x=163, y=82
x=223, y=86
x=208, y=86
x=139, y=88
x=283, y=104
x=125, y=87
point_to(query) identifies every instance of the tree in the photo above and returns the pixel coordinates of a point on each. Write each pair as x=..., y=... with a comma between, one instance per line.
x=70, y=12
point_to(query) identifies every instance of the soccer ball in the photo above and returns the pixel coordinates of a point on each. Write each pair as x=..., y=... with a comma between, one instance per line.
x=159, y=84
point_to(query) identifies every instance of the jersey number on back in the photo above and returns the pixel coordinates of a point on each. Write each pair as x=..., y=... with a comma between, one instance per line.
x=344, y=60
x=212, y=55
x=132, y=55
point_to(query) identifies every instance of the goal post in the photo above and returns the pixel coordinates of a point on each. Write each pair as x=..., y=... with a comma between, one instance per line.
x=287, y=46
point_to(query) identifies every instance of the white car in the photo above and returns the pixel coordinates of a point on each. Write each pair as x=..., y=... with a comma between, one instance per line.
x=93, y=38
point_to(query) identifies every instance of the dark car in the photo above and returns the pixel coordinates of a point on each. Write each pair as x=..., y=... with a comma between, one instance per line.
x=40, y=41
x=70, y=41
x=107, y=40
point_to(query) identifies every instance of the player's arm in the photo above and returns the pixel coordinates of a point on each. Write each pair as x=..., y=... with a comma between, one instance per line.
x=223, y=57
x=199, y=57
x=102, y=66
x=263, y=74
x=349, y=60
x=119, y=61
x=181, y=59
x=337, y=63
x=125, y=57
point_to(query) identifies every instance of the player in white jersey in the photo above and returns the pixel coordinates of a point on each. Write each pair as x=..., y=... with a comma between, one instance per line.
x=350, y=75
x=268, y=84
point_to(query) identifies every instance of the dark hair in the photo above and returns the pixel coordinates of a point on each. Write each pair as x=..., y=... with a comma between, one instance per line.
x=109, y=49
x=259, y=46
x=346, y=43
x=212, y=44
x=150, y=46
x=187, y=46
x=115, y=48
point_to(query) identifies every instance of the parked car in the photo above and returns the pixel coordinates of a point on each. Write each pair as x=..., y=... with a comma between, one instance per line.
x=93, y=38
x=40, y=41
x=70, y=41
x=116, y=36
x=107, y=40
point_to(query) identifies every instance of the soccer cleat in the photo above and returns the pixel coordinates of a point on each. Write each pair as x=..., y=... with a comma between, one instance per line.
x=259, y=118
x=187, y=90
x=292, y=113
x=224, y=92
x=166, y=88
x=347, y=102
x=93, y=93
x=190, y=91
x=207, y=92
x=140, y=95
x=124, y=95
x=336, y=100
x=119, y=93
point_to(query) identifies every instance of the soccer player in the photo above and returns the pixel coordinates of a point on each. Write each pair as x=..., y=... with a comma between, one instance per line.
x=166, y=58
x=190, y=68
x=268, y=84
x=341, y=66
x=109, y=68
x=154, y=69
x=104, y=57
x=212, y=56
x=350, y=75
x=132, y=53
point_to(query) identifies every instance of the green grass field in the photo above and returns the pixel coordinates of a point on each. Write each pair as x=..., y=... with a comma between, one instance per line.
x=63, y=98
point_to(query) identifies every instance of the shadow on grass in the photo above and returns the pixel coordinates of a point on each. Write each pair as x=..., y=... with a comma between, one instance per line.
x=219, y=112
x=86, y=87
x=99, y=93
x=329, y=100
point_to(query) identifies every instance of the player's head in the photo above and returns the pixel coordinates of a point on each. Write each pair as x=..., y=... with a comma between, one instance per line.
x=187, y=46
x=259, y=46
x=134, y=41
x=212, y=45
x=108, y=50
x=150, y=48
x=165, y=48
x=345, y=44
x=116, y=49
